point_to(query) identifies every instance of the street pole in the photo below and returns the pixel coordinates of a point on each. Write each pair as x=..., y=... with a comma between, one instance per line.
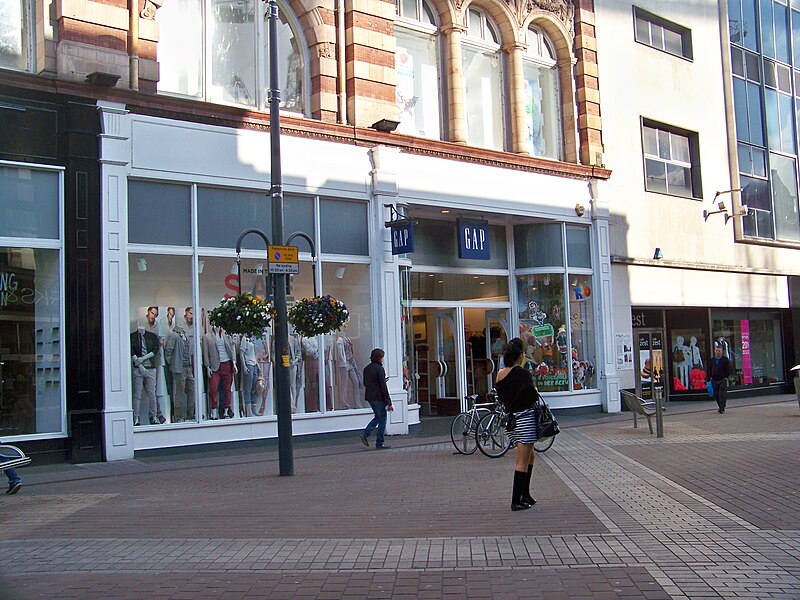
x=282, y=383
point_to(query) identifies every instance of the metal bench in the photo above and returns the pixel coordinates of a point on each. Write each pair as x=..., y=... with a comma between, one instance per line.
x=13, y=457
x=639, y=407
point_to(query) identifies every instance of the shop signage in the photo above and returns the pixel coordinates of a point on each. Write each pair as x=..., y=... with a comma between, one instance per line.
x=283, y=259
x=747, y=364
x=473, y=239
x=402, y=236
x=646, y=318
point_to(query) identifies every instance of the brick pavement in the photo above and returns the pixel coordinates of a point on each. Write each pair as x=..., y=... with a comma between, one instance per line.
x=709, y=511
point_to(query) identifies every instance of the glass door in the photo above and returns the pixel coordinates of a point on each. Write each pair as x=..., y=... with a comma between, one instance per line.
x=447, y=340
x=649, y=363
x=498, y=329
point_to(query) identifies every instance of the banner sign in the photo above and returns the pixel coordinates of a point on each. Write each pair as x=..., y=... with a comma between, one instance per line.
x=402, y=236
x=473, y=239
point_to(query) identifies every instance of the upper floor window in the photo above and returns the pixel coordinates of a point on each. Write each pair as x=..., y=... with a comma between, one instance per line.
x=542, y=97
x=15, y=34
x=671, y=160
x=662, y=34
x=219, y=52
x=417, y=66
x=483, y=81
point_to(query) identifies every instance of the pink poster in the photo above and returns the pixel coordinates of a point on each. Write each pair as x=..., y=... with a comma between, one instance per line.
x=747, y=371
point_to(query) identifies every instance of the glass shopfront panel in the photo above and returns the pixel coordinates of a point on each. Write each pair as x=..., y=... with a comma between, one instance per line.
x=31, y=341
x=29, y=203
x=459, y=287
x=582, y=325
x=436, y=244
x=688, y=350
x=752, y=342
x=162, y=348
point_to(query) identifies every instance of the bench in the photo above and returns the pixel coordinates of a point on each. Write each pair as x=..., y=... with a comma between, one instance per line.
x=640, y=407
x=13, y=457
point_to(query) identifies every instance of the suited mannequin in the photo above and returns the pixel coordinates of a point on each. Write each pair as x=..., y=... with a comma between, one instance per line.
x=179, y=355
x=248, y=367
x=219, y=361
x=144, y=349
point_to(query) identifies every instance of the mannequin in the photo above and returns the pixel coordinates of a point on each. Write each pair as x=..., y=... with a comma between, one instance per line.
x=309, y=356
x=694, y=354
x=681, y=367
x=144, y=348
x=218, y=360
x=164, y=334
x=151, y=325
x=179, y=354
x=248, y=367
x=354, y=375
x=295, y=369
x=340, y=373
x=264, y=359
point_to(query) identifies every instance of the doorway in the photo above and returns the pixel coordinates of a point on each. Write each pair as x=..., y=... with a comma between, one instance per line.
x=650, y=364
x=456, y=354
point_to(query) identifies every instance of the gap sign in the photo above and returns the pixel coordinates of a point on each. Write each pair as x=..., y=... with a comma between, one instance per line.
x=473, y=239
x=402, y=237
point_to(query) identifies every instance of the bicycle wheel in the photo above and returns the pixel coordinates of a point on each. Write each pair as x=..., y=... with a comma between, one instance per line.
x=462, y=433
x=492, y=437
x=543, y=444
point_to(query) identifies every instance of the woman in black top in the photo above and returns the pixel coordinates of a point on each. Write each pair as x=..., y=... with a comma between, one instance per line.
x=519, y=397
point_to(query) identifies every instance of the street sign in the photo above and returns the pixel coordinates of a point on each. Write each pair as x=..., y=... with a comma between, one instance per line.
x=284, y=268
x=283, y=260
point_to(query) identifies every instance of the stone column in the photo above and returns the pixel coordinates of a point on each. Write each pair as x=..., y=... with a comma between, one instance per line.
x=516, y=88
x=457, y=118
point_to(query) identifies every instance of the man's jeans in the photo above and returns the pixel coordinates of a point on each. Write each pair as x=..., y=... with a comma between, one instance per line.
x=379, y=421
x=721, y=393
x=13, y=478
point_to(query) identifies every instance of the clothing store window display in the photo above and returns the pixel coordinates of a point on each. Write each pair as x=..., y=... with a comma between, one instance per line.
x=179, y=355
x=681, y=363
x=264, y=359
x=153, y=325
x=164, y=333
x=144, y=352
x=304, y=371
x=376, y=393
x=248, y=372
x=347, y=376
x=219, y=361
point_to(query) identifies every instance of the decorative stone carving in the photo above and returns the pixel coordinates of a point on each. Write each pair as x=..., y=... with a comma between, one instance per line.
x=150, y=8
x=324, y=50
x=563, y=9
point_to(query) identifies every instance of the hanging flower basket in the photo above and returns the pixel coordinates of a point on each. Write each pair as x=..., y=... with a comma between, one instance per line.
x=244, y=314
x=318, y=315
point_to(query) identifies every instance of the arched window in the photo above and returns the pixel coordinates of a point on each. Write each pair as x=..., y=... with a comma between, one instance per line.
x=483, y=99
x=218, y=51
x=417, y=66
x=542, y=97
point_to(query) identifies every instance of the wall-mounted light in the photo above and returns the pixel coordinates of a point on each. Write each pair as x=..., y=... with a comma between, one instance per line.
x=658, y=255
x=385, y=125
x=580, y=209
x=743, y=211
x=722, y=209
x=141, y=264
x=340, y=273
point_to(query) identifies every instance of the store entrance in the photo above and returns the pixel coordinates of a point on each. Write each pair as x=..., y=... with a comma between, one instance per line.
x=456, y=354
x=650, y=364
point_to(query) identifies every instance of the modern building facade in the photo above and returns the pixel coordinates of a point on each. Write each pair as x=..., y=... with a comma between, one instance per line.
x=495, y=159
x=707, y=127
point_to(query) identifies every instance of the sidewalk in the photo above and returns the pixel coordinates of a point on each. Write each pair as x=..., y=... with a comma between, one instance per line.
x=710, y=510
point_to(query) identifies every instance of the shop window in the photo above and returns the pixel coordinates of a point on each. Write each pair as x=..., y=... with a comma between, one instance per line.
x=458, y=287
x=661, y=34
x=31, y=341
x=482, y=82
x=436, y=244
x=15, y=35
x=542, y=97
x=346, y=229
x=29, y=203
x=688, y=358
x=538, y=245
x=543, y=330
x=346, y=353
x=159, y=213
x=582, y=328
x=578, y=249
x=417, y=66
x=162, y=323
x=670, y=161
x=783, y=176
x=229, y=62
x=752, y=342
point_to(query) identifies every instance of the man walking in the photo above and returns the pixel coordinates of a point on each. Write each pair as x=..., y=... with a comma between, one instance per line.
x=377, y=394
x=720, y=371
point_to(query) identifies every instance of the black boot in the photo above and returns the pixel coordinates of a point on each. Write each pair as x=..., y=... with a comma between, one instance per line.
x=516, y=494
x=526, y=489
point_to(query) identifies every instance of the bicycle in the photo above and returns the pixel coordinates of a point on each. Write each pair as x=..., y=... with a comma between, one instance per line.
x=491, y=435
x=464, y=426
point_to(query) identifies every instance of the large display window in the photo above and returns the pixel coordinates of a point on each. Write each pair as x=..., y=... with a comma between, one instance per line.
x=32, y=401
x=198, y=372
x=752, y=342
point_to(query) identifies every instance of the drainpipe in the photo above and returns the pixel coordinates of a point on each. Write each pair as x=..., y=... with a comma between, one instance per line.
x=133, y=42
x=341, y=88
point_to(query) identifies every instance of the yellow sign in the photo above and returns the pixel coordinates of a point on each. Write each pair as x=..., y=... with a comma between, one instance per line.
x=282, y=254
x=285, y=358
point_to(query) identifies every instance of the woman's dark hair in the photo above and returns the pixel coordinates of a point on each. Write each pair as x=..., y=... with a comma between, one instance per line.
x=512, y=351
x=377, y=355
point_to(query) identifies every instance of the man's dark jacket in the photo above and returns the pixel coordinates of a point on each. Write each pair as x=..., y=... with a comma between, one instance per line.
x=375, y=389
x=720, y=369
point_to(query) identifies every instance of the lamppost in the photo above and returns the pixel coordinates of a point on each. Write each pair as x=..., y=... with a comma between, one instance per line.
x=283, y=407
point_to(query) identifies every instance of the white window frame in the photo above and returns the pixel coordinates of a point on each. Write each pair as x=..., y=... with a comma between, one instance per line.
x=28, y=35
x=695, y=194
x=653, y=21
